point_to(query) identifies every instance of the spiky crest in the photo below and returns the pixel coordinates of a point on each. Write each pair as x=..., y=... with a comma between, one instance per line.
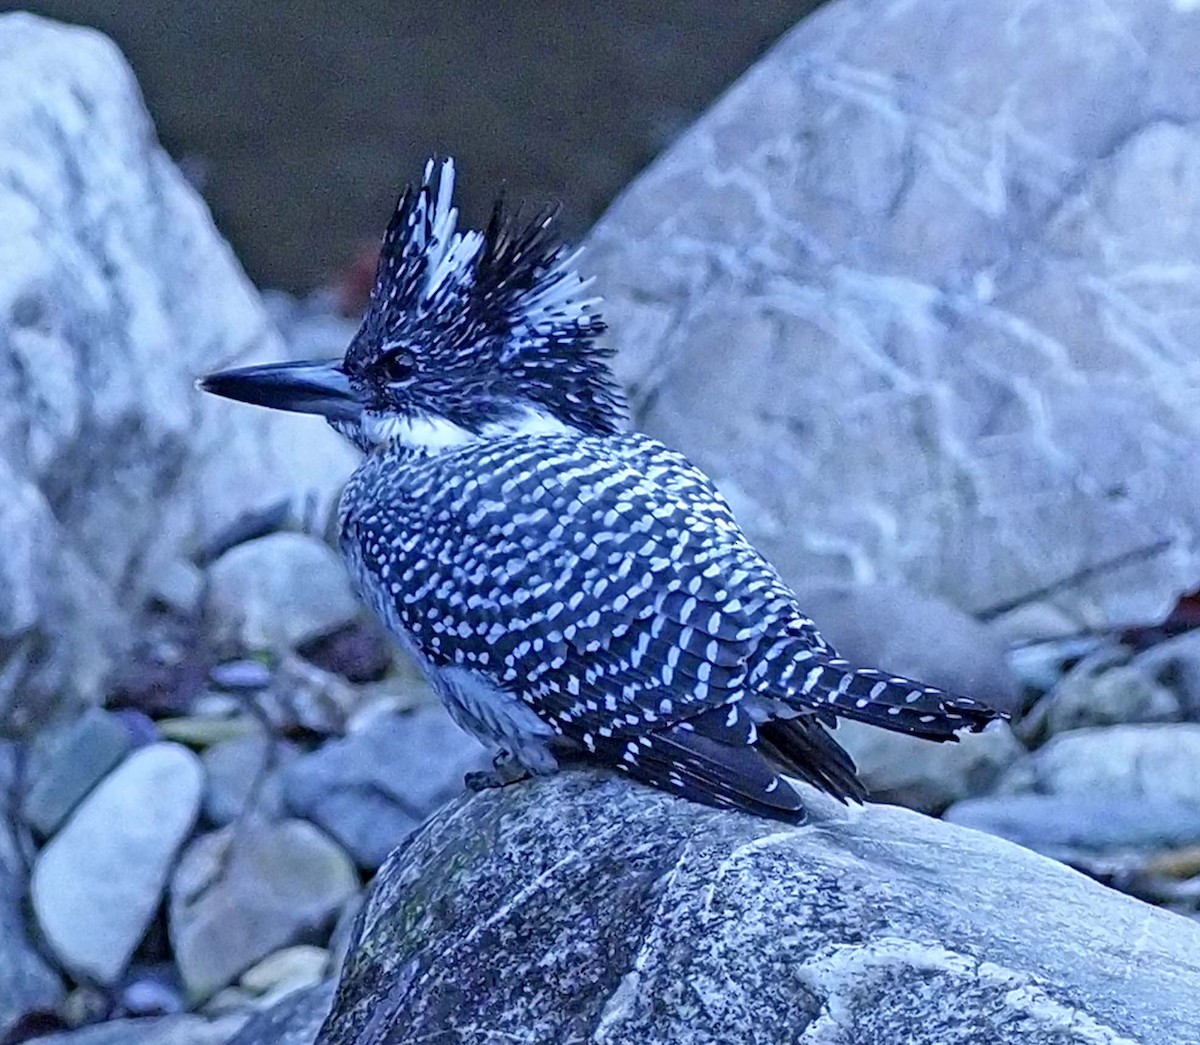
x=507, y=302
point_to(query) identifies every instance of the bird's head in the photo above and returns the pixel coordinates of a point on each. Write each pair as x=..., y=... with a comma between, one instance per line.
x=468, y=335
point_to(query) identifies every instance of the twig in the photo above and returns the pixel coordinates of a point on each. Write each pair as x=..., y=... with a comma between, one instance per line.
x=1072, y=580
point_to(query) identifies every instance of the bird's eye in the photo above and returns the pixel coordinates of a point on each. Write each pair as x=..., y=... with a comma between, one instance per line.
x=398, y=366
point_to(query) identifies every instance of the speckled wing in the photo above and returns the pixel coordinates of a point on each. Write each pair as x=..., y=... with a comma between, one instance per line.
x=601, y=579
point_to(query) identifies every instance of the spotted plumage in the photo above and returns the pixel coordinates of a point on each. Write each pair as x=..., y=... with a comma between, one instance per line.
x=572, y=591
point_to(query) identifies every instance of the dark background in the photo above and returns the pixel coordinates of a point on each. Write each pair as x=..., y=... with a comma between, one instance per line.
x=301, y=120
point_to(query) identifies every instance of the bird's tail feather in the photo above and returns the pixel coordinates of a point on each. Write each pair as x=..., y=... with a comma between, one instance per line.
x=893, y=702
x=701, y=769
x=802, y=748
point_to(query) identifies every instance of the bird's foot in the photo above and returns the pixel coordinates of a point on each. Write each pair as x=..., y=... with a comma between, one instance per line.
x=505, y=770
x=482, y=780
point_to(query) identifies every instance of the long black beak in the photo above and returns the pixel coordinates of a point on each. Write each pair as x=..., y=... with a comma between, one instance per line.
x=309, y=387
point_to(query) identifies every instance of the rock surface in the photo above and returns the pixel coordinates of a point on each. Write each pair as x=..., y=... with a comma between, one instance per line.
x=77, y=760
x=626, y=916
x=375, y=787
x=293, y=1021
x=915, y=773
x=27, y=984
x=278, y=592
x=1152, y=761
x=165, y=1030
x=241, y=893
x=1071, y=827
x=239, y=772
x=116, y=292
x=918, y=292
x=99, y=882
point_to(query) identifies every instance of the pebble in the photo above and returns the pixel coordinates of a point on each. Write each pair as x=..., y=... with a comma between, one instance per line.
x=278, y=592
x=201, y=731
x=371, y=789
x=150, y=996
x=77, y=760
x=303, y=965
x=99, y=882
x=233, y=770
x=240, y=675
x=238, y=895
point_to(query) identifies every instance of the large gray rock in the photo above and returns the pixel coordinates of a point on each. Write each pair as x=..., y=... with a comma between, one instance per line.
x=919, y=292
x=27, y=984
x=100, y=881
x=116, y=292
x=584, y=908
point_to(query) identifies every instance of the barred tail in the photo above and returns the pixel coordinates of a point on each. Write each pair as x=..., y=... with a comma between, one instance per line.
x=819, y=681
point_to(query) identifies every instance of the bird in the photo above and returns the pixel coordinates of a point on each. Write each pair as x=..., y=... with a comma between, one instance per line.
x=577, y=593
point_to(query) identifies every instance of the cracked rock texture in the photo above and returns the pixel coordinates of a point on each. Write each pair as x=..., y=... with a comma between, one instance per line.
x=116, y=293
x=919, y=292
x=584, y=908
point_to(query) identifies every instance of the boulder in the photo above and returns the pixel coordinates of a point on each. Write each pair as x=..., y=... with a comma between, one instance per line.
x=586, y=908
x=116, y=293
x=1074, y=827
x=918, y=292
x=915, y=773
x=100, y=881
x=1112, y=684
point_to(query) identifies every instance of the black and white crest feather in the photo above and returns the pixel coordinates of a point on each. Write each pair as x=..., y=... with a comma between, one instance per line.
x=495, y=317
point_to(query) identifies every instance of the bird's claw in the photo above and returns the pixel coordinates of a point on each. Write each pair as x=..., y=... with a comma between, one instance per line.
x=505, y=770
x=482, y=780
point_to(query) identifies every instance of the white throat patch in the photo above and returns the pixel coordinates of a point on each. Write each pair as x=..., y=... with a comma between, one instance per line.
x=435, y=434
